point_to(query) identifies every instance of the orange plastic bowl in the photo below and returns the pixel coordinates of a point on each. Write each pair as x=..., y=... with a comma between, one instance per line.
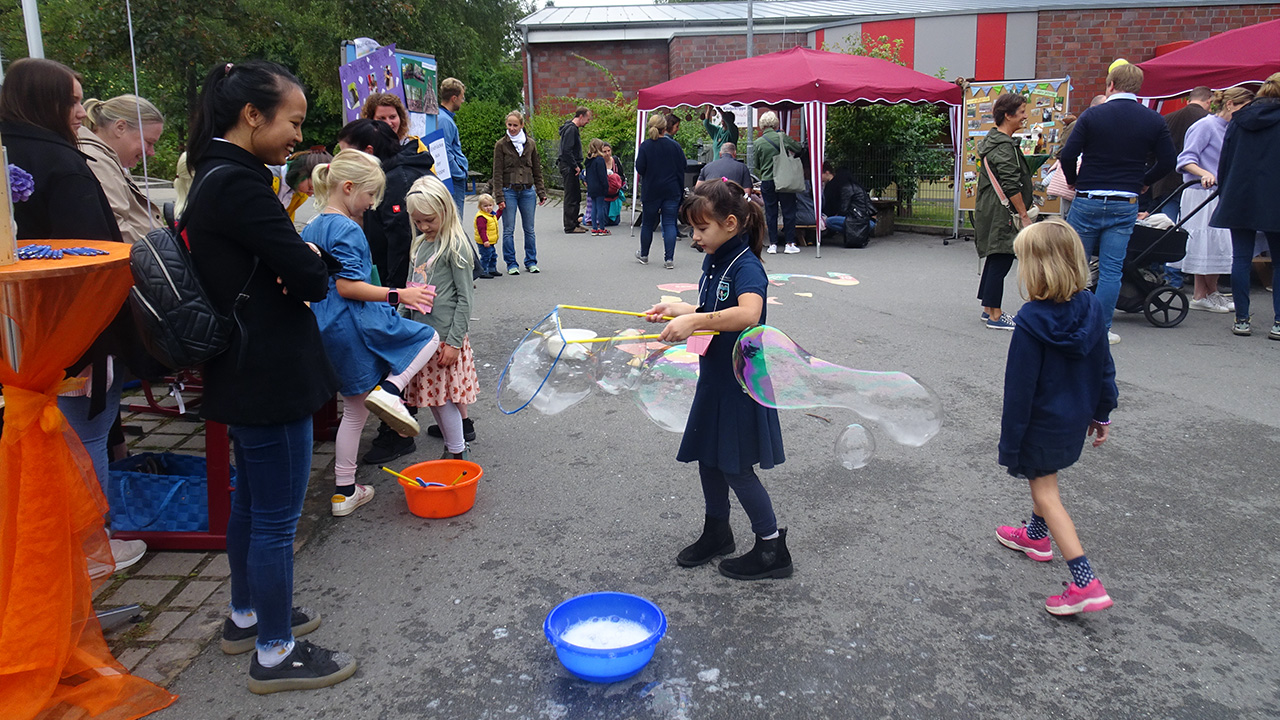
x=441, y=502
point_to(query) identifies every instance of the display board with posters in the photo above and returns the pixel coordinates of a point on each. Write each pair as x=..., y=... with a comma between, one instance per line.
x=1047, y=103
x=417, y=74
x=377, y=72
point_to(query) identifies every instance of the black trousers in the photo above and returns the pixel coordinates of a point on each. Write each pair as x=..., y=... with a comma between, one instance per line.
x=572, y=199
x=991, y=286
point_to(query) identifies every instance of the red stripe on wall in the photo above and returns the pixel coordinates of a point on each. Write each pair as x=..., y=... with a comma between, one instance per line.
x=904, y=30
x=819, y=37
x=988, y=61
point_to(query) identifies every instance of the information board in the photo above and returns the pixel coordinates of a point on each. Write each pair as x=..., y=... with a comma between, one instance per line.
x=1048, y=102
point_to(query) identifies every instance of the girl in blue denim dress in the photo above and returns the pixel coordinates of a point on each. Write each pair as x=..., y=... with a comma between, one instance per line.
x=374, y=350
x=728, y=432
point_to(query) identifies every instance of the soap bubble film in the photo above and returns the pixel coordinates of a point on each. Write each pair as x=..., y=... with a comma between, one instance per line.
x=620, y=363
x=665, y=389
x=854, y=447
x=780, y=374
x=544, y=372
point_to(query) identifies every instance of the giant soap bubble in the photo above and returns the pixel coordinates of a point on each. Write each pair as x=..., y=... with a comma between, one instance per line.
x=664, y=391
x=620, y=363
x=780, y=374
x=546, y=372
x=854, y=447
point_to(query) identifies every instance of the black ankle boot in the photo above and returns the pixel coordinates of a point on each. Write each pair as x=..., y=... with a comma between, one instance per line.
x=716, y=540
x=768, y=559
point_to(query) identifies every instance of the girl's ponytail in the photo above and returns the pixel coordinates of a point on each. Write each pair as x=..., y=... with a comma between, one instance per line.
x=756, y=227
x=320, y=185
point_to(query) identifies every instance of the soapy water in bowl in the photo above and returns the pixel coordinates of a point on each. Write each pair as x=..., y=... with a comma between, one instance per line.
x=605, y=633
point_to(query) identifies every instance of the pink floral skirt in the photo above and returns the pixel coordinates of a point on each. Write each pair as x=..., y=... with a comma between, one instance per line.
x=434, y=385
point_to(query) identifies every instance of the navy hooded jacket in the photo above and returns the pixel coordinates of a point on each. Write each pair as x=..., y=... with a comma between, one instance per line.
x=1059, y=377
x=1249, y=172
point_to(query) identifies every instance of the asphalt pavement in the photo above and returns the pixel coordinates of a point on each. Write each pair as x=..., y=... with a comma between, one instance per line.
x=902, y=605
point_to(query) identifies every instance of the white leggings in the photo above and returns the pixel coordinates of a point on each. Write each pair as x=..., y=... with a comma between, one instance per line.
x=354, y=414
x=449, y=418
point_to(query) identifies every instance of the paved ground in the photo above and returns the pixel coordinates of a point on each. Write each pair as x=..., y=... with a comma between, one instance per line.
x=902, y=604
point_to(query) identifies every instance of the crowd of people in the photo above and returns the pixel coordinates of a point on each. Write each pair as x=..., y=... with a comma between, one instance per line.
x=372, y=300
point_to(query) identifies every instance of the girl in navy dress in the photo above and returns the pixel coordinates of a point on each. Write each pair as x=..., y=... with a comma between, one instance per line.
x=728, y=432
x=374, y=350
x=1059, y=388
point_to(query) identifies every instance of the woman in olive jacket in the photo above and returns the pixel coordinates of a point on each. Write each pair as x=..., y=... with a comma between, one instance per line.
x=274, y=375
x=993, y=224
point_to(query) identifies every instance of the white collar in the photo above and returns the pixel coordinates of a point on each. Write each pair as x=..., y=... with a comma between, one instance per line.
x=1122, y=96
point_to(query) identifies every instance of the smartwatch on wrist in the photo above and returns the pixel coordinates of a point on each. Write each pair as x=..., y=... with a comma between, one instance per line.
x=393, y=297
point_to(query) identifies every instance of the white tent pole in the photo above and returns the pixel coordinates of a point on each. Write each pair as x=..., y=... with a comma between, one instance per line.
x=31, y=18
x=957, y=142
x=635, y=172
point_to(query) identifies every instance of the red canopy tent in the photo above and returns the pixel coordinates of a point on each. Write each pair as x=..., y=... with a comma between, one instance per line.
x=1247, y=54
x=812, y=79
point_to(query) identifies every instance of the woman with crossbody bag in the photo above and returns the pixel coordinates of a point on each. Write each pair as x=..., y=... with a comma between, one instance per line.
x=1001, y=208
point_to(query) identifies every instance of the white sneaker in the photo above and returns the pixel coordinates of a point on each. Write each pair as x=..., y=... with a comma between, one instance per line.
x=392, y=411
x=791, y=249
x=1208, y=304
x=1226, y=303
x=341, y=505
x=772, y=249
x=127, y=553
x=1113, y=338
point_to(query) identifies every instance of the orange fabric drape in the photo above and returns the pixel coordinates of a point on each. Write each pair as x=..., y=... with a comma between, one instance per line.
x=53, y=660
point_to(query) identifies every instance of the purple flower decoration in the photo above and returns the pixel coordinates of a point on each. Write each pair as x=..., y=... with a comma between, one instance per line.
x=20, y=184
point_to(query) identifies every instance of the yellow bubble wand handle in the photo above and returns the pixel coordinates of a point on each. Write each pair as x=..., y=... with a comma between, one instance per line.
x=631, y=337
x=606, y=310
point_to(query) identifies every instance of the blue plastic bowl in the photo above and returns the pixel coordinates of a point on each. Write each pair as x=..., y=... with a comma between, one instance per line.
x=614, y=664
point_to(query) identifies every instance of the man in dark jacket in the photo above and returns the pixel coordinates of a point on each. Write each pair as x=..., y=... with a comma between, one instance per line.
x=1179, y=121
x=569, y=161
x=1116, y=139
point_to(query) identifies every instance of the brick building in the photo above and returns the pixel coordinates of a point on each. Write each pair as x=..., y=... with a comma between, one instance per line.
x=642, y=45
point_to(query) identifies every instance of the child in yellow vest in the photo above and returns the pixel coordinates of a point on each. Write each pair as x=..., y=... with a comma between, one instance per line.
x=487, y=236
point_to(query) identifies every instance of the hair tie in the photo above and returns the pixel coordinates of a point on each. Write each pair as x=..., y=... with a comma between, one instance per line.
x=724, y=179
x=227, y=71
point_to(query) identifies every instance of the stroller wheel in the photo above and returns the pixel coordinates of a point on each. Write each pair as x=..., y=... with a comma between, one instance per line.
x=1165, y=306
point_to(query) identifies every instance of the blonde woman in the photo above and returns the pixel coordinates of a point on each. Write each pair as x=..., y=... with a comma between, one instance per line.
x=518, y=172
x=113, y=136
x=374, y=350
x=661, y=164
x=442, y=259
x=1208, y=248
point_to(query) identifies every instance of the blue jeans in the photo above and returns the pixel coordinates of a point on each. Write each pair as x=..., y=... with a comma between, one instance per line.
x=751, y=495
x=599, y=212
x=273, y=465
x=488, y=258
x=835, y=223
x=1242, y=246
x=772, y=199
x=93, y=431
x=666, y=211
x=525, y=201
x=460, y=196
x=1104, y=225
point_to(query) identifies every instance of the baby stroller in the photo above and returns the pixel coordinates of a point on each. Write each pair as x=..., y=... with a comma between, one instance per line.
x=1142, y=283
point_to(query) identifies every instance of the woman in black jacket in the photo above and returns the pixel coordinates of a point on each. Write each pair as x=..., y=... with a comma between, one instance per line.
x=1249, y=182
x=274, y=375
x=40, y=113
x=661, y=164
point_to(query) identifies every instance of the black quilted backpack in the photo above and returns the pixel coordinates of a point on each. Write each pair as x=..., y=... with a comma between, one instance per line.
x=178, y=323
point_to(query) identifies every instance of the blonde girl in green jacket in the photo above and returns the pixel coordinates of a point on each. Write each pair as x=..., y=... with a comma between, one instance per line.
x=441, y=256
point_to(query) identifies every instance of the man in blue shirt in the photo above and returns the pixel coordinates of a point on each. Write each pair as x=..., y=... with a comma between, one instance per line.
x=452, y=95
x=1116, y=139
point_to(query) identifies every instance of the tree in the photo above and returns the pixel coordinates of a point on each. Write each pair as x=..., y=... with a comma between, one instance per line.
x=887, y=145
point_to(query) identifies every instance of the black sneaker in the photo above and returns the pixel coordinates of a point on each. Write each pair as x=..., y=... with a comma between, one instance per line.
x=307, y=667
x=398, y=447
x=237, y=640
x=468, y=430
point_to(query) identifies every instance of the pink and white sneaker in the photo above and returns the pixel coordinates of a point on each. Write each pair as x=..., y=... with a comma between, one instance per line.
x=1016, y=538
x=1076, y=599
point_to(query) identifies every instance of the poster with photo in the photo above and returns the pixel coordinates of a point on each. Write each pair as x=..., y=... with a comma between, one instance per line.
x=1047, y=103
x=373, y=73
x=420, y=82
